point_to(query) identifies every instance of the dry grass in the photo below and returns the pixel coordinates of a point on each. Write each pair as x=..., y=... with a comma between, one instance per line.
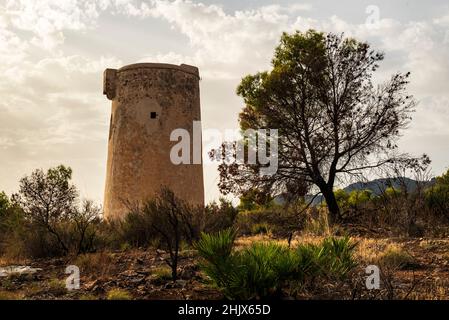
x=99, y=264
x=435, y=291
x=9, y=261
x=394, y=256
x=369, y=250
x=118, y=294
x=162, y=273
x=57, y=287
x=87, y=296
x=8, y=295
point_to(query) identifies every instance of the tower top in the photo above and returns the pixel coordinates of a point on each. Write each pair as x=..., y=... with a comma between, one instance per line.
x=183, y=67
x=110, y=75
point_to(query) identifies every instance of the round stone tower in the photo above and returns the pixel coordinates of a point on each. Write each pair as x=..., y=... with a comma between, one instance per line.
x=149, y=101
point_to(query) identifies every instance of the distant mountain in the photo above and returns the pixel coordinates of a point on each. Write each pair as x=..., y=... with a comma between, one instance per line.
x=377, y=187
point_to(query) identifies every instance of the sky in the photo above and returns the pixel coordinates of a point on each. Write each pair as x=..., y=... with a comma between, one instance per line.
x=53, y=53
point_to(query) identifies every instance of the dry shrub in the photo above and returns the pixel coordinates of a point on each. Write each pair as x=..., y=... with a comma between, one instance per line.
x=395, y=257
x=281, y=222
x=95, y=264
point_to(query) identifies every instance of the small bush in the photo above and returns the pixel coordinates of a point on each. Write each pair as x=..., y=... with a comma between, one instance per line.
x=162, y=273
x=44, y=220
x=248, y=274
x=333, y=258
x=99, y=264
x=339, y=255
x=219, y=216
x=317, y=222
x=166, y=220
x=57, y=287
x=263, y=269
x=260, y=228
x=396, y=258
x=216, y=251
x=118, y=294
x=437, y=197
x=281, y=222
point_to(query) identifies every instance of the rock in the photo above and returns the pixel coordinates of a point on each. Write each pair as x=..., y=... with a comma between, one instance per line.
x=97, y=289
x=188, y=271
x=175, y=285
x=144, y=272
x=90, y=285
x=154, y=279
x=18, y=270
x=181, y=283
x=129, y=273
x=137, y=280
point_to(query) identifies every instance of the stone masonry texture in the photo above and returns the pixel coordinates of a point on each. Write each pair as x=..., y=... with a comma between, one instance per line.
x=149, y=101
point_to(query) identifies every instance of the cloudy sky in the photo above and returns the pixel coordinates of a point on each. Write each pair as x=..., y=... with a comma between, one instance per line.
x=53, y=53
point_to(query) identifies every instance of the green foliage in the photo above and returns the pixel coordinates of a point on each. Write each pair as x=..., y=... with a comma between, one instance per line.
x=254, y=199
x=57, y=287
x=45, y=218
x=333, y=257
x=260, y=228
x=162, y=273
x=339, y=255
x=219, y=216
x=4, y=203
x=276, y=220
x=134, y=230
x=359, y=197
x=4, y=212
x=392, y=192
x=216, y=250
x=263, y=269
x=251, y=273
x=259, y=271
x=342, y=198
x=353, y=199
x=437, y=196
x=48, y=200
x=298, y=96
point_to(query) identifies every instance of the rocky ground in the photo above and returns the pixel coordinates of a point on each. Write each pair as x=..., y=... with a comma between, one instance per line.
x=143, y=274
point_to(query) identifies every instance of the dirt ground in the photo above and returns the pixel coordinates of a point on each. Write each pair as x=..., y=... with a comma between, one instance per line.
x=143, y=274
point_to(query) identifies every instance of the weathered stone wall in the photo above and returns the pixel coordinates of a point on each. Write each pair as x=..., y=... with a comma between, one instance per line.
x=149, y=101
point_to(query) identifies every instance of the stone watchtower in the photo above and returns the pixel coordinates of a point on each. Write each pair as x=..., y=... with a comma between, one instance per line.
x=149, y=101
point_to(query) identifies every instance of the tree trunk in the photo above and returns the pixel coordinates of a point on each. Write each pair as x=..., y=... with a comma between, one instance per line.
x=332, y=205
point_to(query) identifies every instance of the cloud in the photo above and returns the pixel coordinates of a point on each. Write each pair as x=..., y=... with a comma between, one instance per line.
x=225, y=42
x=47, y=19
x=52, y=110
